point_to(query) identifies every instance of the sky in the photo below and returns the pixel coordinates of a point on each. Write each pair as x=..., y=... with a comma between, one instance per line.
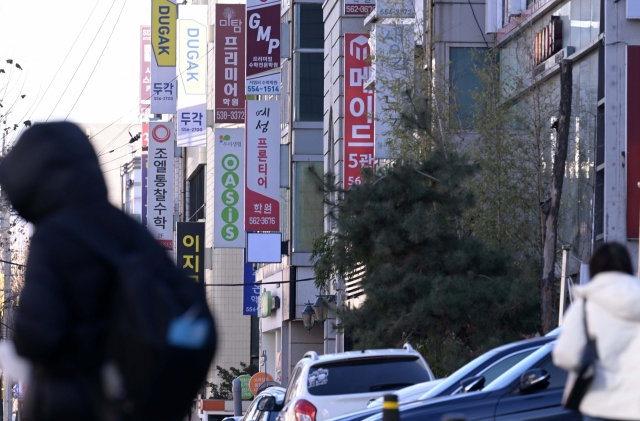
x=80, y=60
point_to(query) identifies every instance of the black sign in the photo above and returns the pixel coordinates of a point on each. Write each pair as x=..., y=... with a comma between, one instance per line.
x=191, y=249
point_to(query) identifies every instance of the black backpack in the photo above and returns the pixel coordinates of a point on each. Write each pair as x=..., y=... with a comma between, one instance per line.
x=162, y=335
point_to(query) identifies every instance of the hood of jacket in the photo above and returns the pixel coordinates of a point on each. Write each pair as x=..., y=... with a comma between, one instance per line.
x=51, y=167
x=616, y=292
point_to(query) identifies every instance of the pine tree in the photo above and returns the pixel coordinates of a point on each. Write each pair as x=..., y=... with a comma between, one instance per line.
x=426, y=279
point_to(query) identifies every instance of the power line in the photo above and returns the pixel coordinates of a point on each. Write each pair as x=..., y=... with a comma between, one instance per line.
x=68, y=52
x=14, y=264
x=81, y=61
x=120, y=157
x=98, y=61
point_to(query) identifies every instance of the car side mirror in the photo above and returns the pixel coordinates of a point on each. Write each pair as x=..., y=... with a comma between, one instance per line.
x=267, y=404
x=534, y=379
x=472, y=384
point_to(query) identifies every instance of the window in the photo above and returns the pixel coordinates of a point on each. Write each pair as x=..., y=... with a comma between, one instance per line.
x=308, y=206
x=196, y=195
x=309, y=86
x=309, y=28
x=309, y=64
x=464, y=81
x=350, y=377
x=293, y=385
x=557, y=376
x=493, y=372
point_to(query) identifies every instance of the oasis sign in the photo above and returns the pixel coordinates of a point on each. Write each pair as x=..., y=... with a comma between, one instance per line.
x=229, y=188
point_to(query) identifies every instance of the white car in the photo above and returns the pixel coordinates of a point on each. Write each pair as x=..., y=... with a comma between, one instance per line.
x=327, y=386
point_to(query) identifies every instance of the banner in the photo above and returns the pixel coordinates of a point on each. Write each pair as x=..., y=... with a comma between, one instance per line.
x=144, y=163
x=392, y=46
x=160, y=183
x=163, y=60
x=358, y=109
x=190, y=249
x=251, y=290
x=145, y=68
x=262, y=192
x=228, y=207
x=192, y=76
x=263, y=47
x=230, y=59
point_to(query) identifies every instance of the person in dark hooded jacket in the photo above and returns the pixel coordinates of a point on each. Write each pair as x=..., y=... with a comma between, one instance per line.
x=52, y=175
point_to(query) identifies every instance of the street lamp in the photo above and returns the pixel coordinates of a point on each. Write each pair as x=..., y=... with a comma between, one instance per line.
x=308, y=316
x=321, y=307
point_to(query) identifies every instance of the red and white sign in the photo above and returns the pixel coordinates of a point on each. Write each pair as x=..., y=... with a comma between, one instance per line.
x=358, y=109
x=145, y=68
x=230, y=59
x=262, y=191
x=263, y=47
x=160, y=182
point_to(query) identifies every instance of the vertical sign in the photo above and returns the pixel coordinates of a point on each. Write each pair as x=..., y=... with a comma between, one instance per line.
x=358, y=109
x=263, y=47
x=228, y=207
x=145, y=165
x=160, y=179
x=190, y=249
x=393, y=46
x=192, y=76
x=163, y=60
x=230, y=59
x=633, y=141
x=262, y=193
x=358, y=7
x=145, y=68
x=251, y=293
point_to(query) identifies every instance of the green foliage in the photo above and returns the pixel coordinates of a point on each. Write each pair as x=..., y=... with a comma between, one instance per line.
x=426, y=279
x=224, y=391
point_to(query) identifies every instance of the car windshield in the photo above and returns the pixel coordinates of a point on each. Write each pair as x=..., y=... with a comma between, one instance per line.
x=365, y=375
x=459, y=375
x=516, y=371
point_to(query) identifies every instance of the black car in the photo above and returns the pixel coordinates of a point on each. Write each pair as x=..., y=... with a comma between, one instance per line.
x=266, y=405
x=489, y=365
x=530, y=390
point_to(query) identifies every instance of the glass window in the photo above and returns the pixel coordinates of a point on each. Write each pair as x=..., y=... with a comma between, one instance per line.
x=310, y=28
x=196, y=195
x=308, y=206
x=464, y=81
x=309, y=86
x=293, y=385
x=503, y=365
x=365, y=376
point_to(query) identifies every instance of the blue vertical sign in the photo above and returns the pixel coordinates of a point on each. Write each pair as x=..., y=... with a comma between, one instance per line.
x=251, y=293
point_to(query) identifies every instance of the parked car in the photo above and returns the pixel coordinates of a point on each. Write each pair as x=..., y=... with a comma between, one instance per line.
x=530, y=390
x=329, y=385
x=266, y=405
x=407, y=394
x=489, y=365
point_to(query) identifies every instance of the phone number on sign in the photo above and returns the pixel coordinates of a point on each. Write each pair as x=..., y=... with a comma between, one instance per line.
x=358, y=9
x=230, y=115
x=271, y=220
x=191, y=129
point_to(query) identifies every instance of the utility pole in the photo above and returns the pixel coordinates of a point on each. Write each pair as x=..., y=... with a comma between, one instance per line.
x=7, y=396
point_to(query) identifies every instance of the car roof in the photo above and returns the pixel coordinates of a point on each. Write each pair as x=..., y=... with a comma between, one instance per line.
x=312, y=357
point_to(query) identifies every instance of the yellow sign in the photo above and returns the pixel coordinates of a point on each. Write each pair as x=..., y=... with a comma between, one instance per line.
x=163, y=31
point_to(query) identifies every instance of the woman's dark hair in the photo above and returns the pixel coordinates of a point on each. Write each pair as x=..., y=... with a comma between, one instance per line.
x=610, y=257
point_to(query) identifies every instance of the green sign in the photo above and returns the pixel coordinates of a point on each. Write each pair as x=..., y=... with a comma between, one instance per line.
x=265, y=304
x=246, y=391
